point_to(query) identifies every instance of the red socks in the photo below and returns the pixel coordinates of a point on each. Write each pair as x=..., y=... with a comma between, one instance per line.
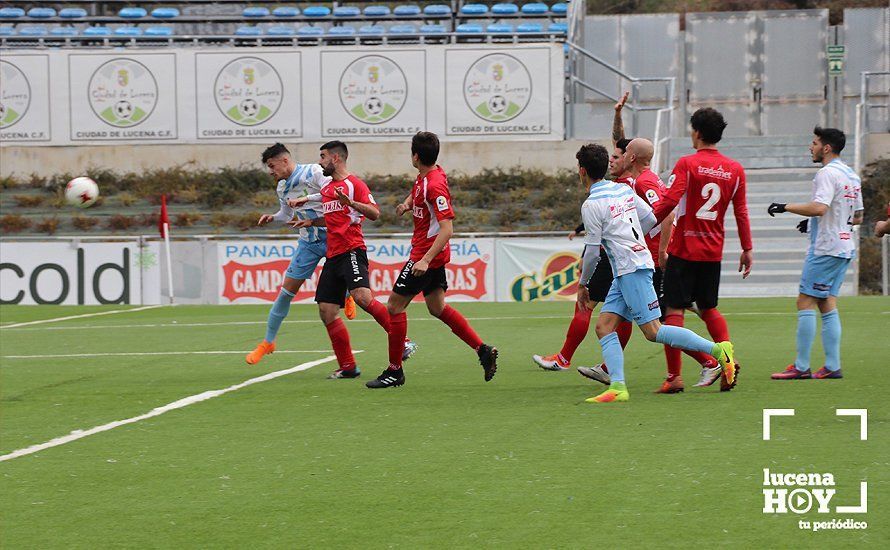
x=577, y=331
x=459, y=326
x=380, y=314
x=716, y=324
x=624, y=330
x=340, y=342
x=672, y=355
x=398, y=329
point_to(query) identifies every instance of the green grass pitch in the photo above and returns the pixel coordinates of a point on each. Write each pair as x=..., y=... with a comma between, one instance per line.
x=445, y=461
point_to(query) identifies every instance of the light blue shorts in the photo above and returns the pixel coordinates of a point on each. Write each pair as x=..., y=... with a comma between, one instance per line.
x=823, y=275
x=306, y=258
x=632, y=296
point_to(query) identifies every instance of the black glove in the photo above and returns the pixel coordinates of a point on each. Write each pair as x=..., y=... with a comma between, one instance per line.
x=579, y=229
x=776, y=208
x=804, y=225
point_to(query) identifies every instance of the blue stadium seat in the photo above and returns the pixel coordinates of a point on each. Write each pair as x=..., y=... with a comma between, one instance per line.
x=474, y=9
x=286, y=11
x=157, y=30
x=406, y=10
x=529, y=27
x=499, y=28
x=63, y=31
x=317, y=11
x=560, y=8
x=97, y=31
x=558, y=28
x=469, y=28
x=128, y=31
x=12, y=12
x=535, y=8
x=433, y=29
x=347, y=11
x=35, y=30
x=248, y=31
x=504, y=9
x=132, y=13
x=165, y=13
x=342, y=30
x=376, y=11
x=281, y=30
x=309, y=30
x=41, y=13
x=255, y=11
x=72, y=13
x=372, y=30
x=437, y=9
x=403, y=29
x=7, y=30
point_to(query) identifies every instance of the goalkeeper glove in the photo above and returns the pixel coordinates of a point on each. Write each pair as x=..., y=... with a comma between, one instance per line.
x=776, y=208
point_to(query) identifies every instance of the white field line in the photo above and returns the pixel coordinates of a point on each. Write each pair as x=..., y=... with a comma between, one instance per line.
x=97, y=314
x=184, y=402
x=141, y=353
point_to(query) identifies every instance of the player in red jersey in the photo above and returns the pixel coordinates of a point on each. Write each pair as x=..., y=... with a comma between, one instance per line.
x=433, y=213
x=345, y=202
x=703, y=185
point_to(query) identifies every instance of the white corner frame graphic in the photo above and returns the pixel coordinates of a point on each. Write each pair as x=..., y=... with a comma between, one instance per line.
x=863, y=420
x=768, y=414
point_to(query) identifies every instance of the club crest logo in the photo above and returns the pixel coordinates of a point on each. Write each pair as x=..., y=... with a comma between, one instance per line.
x=497, y=87
x=123, y=92
x=15, y=94
x=248, y=91
x=373, y=89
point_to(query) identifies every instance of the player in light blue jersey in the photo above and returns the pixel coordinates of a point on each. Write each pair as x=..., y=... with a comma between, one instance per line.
x=294, y=181
x=836, y=207
x=617, y=219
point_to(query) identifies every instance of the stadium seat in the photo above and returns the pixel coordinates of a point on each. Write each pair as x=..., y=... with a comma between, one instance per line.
x=406, y=10
x=376, y=11
x=97, y=31
x=535, y=8
x=317, y=11
x=157, y=30
x=132, y=13
x=347, y=11
x=281, y=30
x=474, y=9
x=12, y=12
x=63, y=31
x=560, y=8
x=72, y=13
x=7, y=30
x=529, y=27
x=469, y=28
x=255, y=11
x=433, y=29
x=248, y=31
x=286, y=11
x=437, y=9
x=372, y=30
x=128, y=31
x=558, y=28
x=165, y=13
x=403, y=29
x=342, y=30
x=499, y=28
x=41, y=13
x=309, y=30
x=504, y=9
x=35, y=30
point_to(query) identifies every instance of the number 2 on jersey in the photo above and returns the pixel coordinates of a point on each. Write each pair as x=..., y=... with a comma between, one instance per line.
x=711, y=193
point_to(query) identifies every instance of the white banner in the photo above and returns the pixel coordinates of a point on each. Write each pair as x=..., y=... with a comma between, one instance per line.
x=373, y=94
x=69, y=273
x=24, y=98
x=129, y=97
x=249, y=96
x=535, y=269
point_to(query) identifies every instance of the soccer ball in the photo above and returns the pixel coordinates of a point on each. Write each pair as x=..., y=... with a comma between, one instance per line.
x=374, y=106
x=81, y=192
x=123, y=109
x=497, y=104
x=249, y=107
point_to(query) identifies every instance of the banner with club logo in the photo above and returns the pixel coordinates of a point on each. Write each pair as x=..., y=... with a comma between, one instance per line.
x=537, y=269
x=124, y=97
x=24, y=98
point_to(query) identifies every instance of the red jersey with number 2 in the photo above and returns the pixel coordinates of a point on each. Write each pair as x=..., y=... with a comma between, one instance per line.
x=432, y=203
x=344, y=223
x=701, y=186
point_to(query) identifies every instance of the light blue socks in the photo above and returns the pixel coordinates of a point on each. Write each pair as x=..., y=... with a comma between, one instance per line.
x=613, y=356
x=806, y=333
x=831, y=338
x=683, y=338
x=279, y=311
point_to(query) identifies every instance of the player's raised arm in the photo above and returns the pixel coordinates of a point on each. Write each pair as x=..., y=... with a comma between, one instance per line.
x=617, y=122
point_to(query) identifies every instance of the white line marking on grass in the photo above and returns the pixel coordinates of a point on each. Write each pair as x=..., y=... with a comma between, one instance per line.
x=97, y=314
x=141, y=353
x=184, y=402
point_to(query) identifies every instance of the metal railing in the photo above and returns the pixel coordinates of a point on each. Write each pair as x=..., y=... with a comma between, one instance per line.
x=863, y=108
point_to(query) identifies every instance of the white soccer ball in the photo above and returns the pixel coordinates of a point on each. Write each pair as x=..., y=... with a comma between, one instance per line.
x=123, y=109
x=249, y=107
x=81, y=192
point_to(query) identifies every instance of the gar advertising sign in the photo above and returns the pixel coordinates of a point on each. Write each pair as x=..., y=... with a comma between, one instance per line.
x=24, y=98
x=538, y=269
x=252, y=271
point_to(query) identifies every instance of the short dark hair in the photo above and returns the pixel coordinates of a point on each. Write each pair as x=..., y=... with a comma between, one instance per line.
x=335, y=147
x=831, y=136
x=709, y=124
x=426, y=146
x=623, y=143
x=594, y=159
x=273, y=151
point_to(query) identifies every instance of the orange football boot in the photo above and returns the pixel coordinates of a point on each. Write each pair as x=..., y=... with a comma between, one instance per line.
x=264, y=348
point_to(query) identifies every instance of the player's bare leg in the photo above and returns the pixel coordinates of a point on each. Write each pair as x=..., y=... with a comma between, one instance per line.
x=277, y=313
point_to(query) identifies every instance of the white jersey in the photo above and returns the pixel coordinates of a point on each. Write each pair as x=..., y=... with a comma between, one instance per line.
x=306, y=179
x=837, y=186
x=611, y=215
